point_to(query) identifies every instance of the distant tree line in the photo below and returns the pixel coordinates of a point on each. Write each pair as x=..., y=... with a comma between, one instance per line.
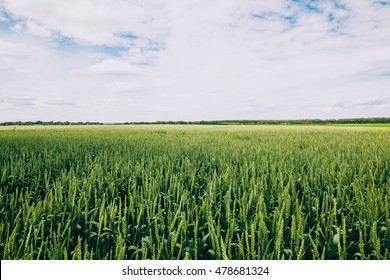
x=216, y=122
x=47, y=123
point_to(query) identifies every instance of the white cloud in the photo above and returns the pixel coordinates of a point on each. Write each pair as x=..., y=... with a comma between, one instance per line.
x=196, y=59
x=88, y=21
x=17, y=27
x=114, y=67
x=3, y=17
x=13, y=54
x=37, y=29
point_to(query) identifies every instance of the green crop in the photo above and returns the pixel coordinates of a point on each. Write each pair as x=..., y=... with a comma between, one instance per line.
x=195, y=192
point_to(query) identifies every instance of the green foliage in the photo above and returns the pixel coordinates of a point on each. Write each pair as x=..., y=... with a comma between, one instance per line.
x=193, y=192
x=361, y=121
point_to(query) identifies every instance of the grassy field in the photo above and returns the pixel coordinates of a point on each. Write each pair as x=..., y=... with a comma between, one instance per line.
x=195, y=192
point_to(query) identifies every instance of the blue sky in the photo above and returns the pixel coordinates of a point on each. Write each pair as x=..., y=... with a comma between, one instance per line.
x=115, y=61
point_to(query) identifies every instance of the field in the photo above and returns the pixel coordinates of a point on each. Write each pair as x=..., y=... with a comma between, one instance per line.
x=195, y=192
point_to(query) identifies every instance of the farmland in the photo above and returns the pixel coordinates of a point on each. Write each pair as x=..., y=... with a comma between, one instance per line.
x=195, y=192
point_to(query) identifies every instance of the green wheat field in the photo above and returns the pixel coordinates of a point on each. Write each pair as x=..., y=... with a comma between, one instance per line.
x=195, y=192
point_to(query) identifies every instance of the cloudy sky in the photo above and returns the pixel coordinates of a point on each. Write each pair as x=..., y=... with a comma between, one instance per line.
x=138, y=60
